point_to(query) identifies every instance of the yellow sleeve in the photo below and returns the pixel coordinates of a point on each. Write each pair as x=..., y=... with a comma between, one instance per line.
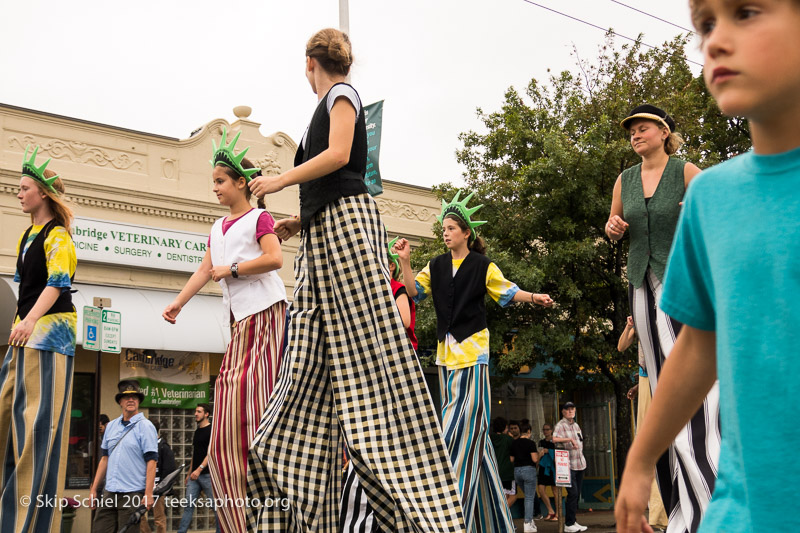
x=61, y=257
x=499, y=288
x=423, y=283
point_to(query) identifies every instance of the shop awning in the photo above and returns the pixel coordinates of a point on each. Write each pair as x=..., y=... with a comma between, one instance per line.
x=200, y=326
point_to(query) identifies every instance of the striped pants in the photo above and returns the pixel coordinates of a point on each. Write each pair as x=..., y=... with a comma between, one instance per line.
x=35, y=405
x=248, y=373
x=686, y=473
x=350, y=371
x=465, y=417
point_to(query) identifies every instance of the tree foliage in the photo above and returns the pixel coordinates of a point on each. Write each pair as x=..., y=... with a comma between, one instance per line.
x=544, y=169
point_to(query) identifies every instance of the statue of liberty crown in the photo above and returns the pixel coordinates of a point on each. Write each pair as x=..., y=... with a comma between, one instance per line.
x=224, y=155
x=30, y=169
x=394, y=256
x=460, y=209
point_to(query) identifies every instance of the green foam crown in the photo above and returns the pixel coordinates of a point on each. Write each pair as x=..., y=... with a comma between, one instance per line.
x=30, y=169
x=223, y=155
x=394, y=256
x=460, y=209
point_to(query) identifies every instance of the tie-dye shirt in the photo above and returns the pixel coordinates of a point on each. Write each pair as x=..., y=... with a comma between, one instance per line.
x=54, y=332
x=474, y=350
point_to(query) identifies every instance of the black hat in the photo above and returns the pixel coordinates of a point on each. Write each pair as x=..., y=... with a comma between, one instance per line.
x=129, y=386
x=568, y=405
x=650, y=112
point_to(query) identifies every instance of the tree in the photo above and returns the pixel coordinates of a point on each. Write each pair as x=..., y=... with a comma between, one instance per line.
x=545, y=169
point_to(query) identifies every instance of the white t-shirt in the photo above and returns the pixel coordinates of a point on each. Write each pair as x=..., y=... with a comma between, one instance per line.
x=344, y=91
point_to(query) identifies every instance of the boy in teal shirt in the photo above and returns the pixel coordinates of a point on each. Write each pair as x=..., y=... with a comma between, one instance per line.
x=733, y=280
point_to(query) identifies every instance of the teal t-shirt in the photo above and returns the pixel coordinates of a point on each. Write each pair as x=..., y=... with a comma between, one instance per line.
x=735, y=269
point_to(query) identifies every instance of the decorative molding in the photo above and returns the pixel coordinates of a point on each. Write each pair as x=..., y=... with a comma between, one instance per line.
x=169, y=168
x=396, y=208
x=79, y=152
x=115, y=205
x=269, y=164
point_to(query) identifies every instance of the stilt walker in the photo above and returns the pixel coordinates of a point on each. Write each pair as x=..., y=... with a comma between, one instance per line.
x=36, y=374
x=243, y=256
x=356, y=515
x=349, y=371
x=458, y=282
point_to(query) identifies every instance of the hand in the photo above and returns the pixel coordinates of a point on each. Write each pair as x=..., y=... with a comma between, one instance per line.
x=218, y=273
x=574, y=443
x=92, y=498
x=403, y=249
x=286, y=228
x=616, y=227
x=196, y=474
x=171, y=312
x=21, y=333
x=629, y=321
x=632, y=500
x=543, y=299
x=632, y=392
x=264, y=185
x=147, y=500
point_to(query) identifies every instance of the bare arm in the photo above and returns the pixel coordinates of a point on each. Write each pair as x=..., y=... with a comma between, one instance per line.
x=405, y=309
x=337, y=155
x=687, y=376
x=626, y=339
x=22, y=331
x=149, y=483
x=690, y=170
x=615, y=219
x=271, y=258
x=98, y=478
x=198, y=280
x=528, y=297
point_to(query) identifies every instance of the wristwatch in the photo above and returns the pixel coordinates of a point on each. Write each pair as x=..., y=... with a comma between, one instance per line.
x=235, y=270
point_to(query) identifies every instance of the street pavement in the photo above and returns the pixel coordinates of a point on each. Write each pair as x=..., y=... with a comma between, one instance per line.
x=596, y=521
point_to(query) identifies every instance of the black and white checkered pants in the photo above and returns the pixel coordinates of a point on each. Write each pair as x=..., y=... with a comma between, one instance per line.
x=350, y=372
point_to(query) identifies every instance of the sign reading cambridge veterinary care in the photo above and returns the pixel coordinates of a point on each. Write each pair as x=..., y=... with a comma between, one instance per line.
x=101, y=241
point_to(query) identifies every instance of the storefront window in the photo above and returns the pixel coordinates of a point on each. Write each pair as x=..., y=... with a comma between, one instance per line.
x=81, y=432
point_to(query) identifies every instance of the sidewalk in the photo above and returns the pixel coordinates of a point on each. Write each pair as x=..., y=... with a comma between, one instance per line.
x=596, y=521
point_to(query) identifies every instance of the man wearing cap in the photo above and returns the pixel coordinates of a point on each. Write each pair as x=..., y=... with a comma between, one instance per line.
x=569, y=433
x=128, y=463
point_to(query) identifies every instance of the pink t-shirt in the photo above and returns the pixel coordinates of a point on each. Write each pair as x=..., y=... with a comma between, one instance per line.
x=264, y=226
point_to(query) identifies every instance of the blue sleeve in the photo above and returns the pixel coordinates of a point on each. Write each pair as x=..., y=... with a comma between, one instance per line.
x=688, y=294
x=148, y=439
x=151, y=456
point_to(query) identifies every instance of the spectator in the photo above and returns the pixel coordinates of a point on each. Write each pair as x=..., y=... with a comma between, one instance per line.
x=525, y=456
x=569, y=432
x=501, y=442
x=198, y=477
x=165, y=466
x=127, y=465
x=547, y=470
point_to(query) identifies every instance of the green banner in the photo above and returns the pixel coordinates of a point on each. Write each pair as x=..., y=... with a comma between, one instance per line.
x=374, y=117
x=172, y=395
x=177, y=380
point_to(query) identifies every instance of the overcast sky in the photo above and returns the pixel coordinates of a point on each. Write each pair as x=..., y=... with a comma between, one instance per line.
x=170, y=66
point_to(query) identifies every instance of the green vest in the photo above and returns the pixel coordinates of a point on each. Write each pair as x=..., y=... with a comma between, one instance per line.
x=652, y=225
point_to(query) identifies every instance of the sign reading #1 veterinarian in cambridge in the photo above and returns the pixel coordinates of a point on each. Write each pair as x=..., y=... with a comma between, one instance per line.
x=101, y=241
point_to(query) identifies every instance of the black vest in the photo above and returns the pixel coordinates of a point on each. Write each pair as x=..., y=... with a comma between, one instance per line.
x=459, y=300
x=33, y=275
x=347, y=181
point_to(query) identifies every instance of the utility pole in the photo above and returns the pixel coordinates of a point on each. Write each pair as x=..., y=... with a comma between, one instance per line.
x=344, y=23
